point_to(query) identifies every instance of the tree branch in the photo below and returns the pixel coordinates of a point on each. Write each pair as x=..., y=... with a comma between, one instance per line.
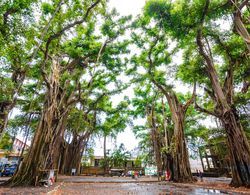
x=191, y=100
x=59, y=33
x=197, y=107
x=211, y=94
x=246, y=86
x=7, y=13
x=46, y=29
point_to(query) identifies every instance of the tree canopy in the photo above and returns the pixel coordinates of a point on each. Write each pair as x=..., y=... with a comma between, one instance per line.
x=62, y=63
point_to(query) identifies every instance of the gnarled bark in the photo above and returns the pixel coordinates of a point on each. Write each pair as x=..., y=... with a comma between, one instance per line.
x=239, y=148
x=43, y=153
x=182, y=170
x=166, y=155
x=155, y=136
x=72, y=153
x=238, y=20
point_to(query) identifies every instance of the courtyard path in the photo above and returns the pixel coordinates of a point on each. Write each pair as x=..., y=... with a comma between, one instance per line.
x=93, y=185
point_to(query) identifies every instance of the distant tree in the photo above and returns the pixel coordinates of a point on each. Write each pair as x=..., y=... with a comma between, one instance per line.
x=59, y=72
x=194, y=27
x=6, y=142
x=138, y=161
x=119, y=157
x=17, y=32
x=154, y=55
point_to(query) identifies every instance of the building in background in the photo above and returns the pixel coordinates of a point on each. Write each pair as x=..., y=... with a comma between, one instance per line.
x=12, y=155
x=18, y=144
x=215, y=159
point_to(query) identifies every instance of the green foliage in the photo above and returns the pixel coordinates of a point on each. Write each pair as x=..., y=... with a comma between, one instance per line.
x=138, y=161
x=15, y=25
x=6, y=142
x=6, y=88
x=92, y=55
x=180, y=20
x=119, y=156
x=89, y=155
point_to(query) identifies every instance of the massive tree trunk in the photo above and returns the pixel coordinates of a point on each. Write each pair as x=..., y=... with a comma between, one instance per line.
x=155, y=136
x=63, y=150
x=239, y=149
x=73, y=153
x=166, y=154
x=44, y=153
x=58, y=142
x=182, y=170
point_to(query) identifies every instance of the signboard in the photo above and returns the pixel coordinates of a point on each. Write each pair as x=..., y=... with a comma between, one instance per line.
x=73, y=171
x=150, y=171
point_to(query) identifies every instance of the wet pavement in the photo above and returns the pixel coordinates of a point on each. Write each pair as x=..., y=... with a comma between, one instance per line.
x=131, y=188
x=141, y=186
x=93, y=185
x=99, y=179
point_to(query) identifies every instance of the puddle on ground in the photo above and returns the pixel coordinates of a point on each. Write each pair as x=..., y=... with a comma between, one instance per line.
x=196, y=191
x=201, y=191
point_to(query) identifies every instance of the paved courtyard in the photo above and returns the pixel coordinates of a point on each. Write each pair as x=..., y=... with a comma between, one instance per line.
x=128, y=188
x=126, y=185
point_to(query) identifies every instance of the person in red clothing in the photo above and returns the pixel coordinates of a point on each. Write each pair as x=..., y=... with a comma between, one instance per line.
x=136, y=174
x=168, y=175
